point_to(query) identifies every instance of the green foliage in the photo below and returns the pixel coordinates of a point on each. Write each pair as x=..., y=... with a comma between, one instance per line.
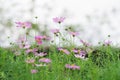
x=103, y=64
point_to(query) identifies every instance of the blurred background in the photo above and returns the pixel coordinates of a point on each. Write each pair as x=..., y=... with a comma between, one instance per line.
x=94, y=19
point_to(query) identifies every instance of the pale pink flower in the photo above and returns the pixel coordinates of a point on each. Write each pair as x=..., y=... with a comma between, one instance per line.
x=24, y=24
x=84, y=43
x=60, y=49
x=41, y=54
x=55, y=31
x=30, y=61
x=59, y=19
x=75, y=50
x=45, y=37
x=81, y=55
x=21, y=39
x=64, y=50
x=31, y=50
x=38, y=39
x=33, y=71
x=24, y=46
x=45, y=60
x=73, y=66
x=22, y=42
x=107, y=42
x=74, y=33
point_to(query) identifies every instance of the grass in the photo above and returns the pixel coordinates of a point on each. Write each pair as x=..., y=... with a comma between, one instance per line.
x=102, y=64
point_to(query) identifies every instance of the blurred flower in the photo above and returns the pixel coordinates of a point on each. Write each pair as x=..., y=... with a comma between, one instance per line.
x=60, y=49
x=108, y=42
x=38, y=39
x=21, y=39
x=25, y=46
x=76, y=51
x=33, y=71
x=64, y=50
x=41, y=54
x=24, y=24
x=45, y=37
x=74, y=33
x=28, y=51
x=59, y=19
x=81, y=55
x=31, y=50
x=84, y=43
x=73, y=67
x=22, y=42
x=45, y=60
x=30, y=61
x=55, y=31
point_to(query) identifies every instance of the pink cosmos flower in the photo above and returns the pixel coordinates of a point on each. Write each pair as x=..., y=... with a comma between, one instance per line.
x=60, y=49
x=107, y=42
x=45, y=37
x=74, y=33
x=41, y=54
x=28, y=51
x=84, y=43
x=81, y=55
x=24, y=24
x=73, y=67
x=38, y=39
x=55, y=31
x=33, y=71
x=45, y=60
x=64, y=50
x=59, y=19
x=24, y=46
x=21, y=39
x=75, y=50
x=30, y=61
x=31, y=50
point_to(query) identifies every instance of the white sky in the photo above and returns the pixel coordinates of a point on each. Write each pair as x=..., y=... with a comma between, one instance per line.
x=99, y=10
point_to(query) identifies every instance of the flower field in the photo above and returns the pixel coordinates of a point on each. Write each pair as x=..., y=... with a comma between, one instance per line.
x=58, y=57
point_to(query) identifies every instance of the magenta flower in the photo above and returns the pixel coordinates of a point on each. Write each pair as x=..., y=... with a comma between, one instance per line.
x=74, y=33
x=30, y=61
x=45, y=60
x=59, y=19
x=73, y=67
x=24, y=24
x=38, y=39
x=33, y=71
